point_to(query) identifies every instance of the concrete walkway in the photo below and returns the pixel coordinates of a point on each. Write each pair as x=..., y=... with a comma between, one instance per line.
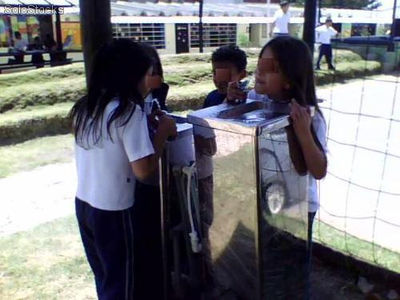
x=369, y=206
x=35, y=197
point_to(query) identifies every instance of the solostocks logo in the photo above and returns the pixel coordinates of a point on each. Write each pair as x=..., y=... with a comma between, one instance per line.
x=32, y=10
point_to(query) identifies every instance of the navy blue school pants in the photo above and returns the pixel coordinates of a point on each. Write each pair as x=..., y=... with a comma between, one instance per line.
x=107, y=237
x=148, y=246
x=325, y=50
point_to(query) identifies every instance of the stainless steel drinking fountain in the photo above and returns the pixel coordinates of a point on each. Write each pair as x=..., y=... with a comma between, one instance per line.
x=257, y=238
x=259, y=228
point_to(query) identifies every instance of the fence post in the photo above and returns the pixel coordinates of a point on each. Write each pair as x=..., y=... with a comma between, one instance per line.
x=310, y=12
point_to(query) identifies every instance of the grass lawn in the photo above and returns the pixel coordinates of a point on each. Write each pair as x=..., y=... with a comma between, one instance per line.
x=41, y=93
x=353, y=246
x=47, y=262
x=64, y=84
x=36, y=103
x=34, y=153
x=350, y=245
x=34, y=112
x=42, y=75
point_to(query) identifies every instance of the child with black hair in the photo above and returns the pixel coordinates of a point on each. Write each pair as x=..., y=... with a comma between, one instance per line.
x=113, y=150
x=228, y=64
x=158, y=89
x=147, y=212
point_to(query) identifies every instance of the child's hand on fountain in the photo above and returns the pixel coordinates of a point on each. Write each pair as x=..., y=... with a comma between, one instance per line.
x=235, y=93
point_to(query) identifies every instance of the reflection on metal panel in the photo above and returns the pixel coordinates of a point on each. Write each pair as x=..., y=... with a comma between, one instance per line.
x=257, y=237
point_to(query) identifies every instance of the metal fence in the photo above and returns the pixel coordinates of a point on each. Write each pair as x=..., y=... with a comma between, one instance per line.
x=360, y=197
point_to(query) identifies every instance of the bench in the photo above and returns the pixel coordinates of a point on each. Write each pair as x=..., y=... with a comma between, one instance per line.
x=35, y=65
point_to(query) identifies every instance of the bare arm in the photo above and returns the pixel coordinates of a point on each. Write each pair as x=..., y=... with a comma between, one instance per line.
x=314, y=157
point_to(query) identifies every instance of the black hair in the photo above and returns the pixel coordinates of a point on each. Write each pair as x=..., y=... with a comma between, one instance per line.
x=17, y=34
x=284, y=3
x=116, y=72
x=157, y=66
x=232, y=54
x=295, y=63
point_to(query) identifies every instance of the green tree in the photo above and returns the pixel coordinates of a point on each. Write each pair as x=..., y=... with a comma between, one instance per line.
x=350, y=4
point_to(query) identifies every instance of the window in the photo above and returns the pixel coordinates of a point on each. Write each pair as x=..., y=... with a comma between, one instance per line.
x=264, y=31
x=153, y=34
x=363, y=29
x=214, y=35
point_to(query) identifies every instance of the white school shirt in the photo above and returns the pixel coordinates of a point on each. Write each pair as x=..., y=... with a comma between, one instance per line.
x=324, y=34
x=105, y=177
x=281, y=22
x=319, y=126
x=20, y=45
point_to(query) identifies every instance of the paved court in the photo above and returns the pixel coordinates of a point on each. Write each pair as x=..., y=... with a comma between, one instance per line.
x=368, y=207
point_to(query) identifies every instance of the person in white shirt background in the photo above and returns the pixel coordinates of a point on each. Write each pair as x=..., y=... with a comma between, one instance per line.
x=19, y=48
x=324, y=33
x=280, y=26
x=20, y=44
x=113, y=150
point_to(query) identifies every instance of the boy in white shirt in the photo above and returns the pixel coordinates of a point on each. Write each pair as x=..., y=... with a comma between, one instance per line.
x=280, y=26
x=324, y=34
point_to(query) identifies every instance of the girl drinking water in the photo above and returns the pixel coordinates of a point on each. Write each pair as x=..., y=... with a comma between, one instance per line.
x=113, y=149
x=285, y=79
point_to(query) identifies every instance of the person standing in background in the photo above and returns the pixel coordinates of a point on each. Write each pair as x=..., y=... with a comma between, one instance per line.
x=37, y=55
x=19, y=48
x=20, y=44
x=324, y=33
x=280, y=25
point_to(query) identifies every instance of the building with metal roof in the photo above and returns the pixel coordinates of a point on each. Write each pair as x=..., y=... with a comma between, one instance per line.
x=246, y=24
